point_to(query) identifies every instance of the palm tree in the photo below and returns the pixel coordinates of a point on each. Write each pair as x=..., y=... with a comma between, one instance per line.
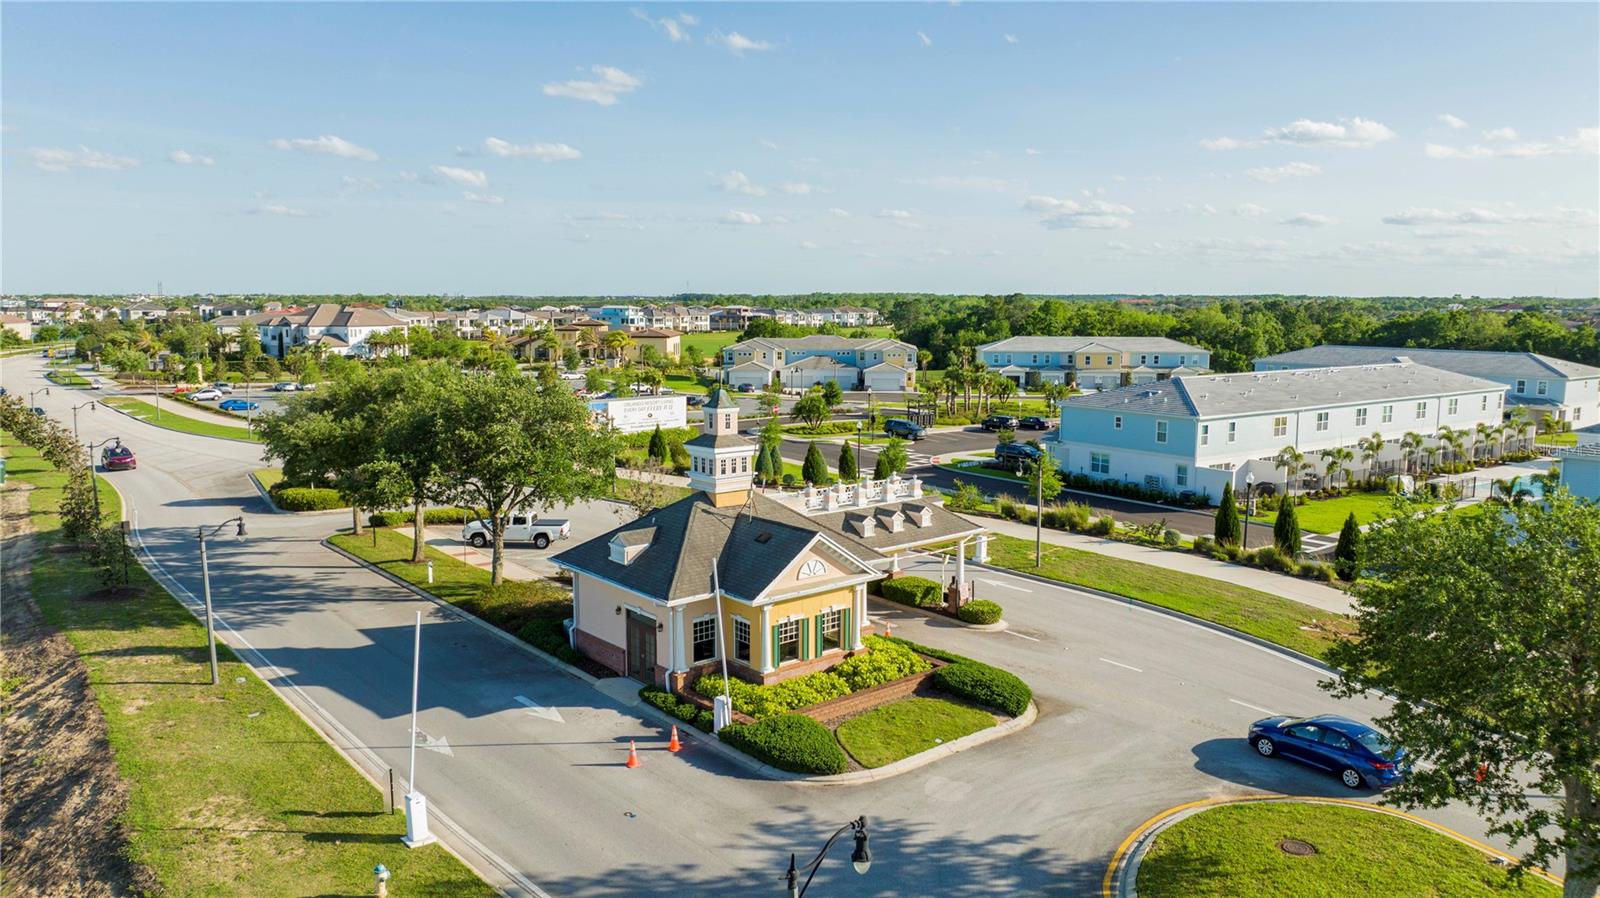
x=550, y=344
x=1509, y=492
x=1485, y=433
x=588, y=342
x=1292, y=461
x=1003, y=388
x=1334, y=461
x=1411, y=448
x=618, y=342
x=1371, y=447
x=1454, y=439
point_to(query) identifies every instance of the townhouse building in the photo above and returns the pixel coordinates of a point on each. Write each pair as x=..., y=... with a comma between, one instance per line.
x=1093, y=363
x=1542, y=384
x=1199, y=432
x=1580, y=470
x=325, y=327
x=871, y=363
x=17, y=324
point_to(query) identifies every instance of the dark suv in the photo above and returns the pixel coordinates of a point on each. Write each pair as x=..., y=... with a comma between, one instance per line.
x=1034, y=422
x=1000, y=422
x=1016, y=456
x=906, y=430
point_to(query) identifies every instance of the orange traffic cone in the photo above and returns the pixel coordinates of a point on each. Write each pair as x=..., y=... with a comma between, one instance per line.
x=633, y=755
x=674, y=745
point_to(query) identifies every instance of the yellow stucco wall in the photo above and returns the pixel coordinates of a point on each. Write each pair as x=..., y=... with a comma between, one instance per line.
x=596, y=602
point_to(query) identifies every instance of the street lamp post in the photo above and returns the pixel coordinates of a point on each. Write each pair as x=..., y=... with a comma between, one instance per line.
x=860, y=858
x=859, y=427
x=1038, y=517
x=89, y=451
x=1249, y=504
x=34, y=393
x=205, y=580
x=75, y=408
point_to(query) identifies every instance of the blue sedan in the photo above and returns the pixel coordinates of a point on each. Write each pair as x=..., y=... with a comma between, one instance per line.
x=1360, y=755
x=239, y=405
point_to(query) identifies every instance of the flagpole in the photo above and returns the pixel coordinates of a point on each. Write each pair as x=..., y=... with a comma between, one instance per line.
x=722, y=637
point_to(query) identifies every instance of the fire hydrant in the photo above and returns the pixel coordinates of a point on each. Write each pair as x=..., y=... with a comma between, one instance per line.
x=380, y=873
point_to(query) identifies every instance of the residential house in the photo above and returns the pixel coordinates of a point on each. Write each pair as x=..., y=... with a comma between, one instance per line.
x=1540, y=383
x=666, y=343
x=732, y=318
x=588, y=334
x=1199, y=432
x=854, y=363
x=1580, y=470
x=325, y=327
x=18, y=325
x=1093, y=363
x=144, y=311
x=778, y=583
x=621, y=318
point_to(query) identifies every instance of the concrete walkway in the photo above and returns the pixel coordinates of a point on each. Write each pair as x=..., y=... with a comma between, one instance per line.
x=448, y=541
x=1293, y=588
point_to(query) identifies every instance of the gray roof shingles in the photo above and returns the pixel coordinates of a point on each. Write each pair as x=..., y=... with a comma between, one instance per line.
x=1476, y=363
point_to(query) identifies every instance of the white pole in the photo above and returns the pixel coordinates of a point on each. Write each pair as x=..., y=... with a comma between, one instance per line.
x=722, y=710
x=416, y=667
x=417, y=833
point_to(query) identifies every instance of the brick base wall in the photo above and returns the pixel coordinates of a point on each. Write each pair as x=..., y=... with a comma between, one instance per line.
x=612, y=656
x=882, y=694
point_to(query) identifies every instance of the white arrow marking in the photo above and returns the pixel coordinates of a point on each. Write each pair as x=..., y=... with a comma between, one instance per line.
x=537, y=710
x=440, y=745
x=1120, y=664
x=1003, y=585
x=1267, y=711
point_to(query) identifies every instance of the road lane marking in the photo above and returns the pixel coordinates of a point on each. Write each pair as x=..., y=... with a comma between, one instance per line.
x=440, y=745
x=1267, y=711
x=537, y=710
x=1120, y=664
x=1020, y=636
x=1003, y=585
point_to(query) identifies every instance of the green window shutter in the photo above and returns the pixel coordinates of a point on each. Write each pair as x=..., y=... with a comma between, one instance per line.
x=775, y=651
x=847, y=637
x=805, y=632
x=816, y=639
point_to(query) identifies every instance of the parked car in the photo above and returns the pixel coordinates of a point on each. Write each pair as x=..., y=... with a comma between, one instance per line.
x=523, y=528
x=747, y=388
x=206, y=395
x=285, y=386
x=2, y=391
x=38, y=411
x=694, y=400
x=906, y=430
x=1358, y=754
x=222, y=386
x=238, y=405
x=1015, y=456
x=1033, y=422
x=1000, y=422
x=118, y=457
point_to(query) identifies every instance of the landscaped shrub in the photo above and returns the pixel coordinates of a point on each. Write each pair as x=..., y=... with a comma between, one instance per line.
x=1274, y=559
x=1204, y=545
x=430, y=517
x=1318, y=570
x=1007, y=507
x=825, y=429
x=1105, y=525
x=511, y=604
x=984, y=685
x=307, y=498
x=688, y=712
x=776, y=698
x=980, y=611
x=882, y=662
x=1172, y=538
x=790, y=742
x=918, y=591
x=549, y=636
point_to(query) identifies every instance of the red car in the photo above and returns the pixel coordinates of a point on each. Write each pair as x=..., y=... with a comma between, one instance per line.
x=118, y=458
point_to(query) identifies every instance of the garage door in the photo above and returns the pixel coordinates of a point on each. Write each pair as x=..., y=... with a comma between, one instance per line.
x=756, y=378
x=886, y=381
x=803, y=378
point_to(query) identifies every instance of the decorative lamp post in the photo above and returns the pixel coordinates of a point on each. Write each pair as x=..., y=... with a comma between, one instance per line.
x=89, y=451
x=205, y=581
x=860, y=858
x=91, y=405
x=1249, y=504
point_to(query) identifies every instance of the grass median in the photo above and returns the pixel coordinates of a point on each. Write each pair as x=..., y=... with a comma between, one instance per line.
x=231, y=792
x=1327, y=515
x=66, y=378
x=178, y=421
x=1238, y=850
x=1273, y=618
x=899, y=730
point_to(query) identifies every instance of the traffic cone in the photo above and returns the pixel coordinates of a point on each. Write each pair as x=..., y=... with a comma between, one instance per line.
x=633, y=755
x=674, y=745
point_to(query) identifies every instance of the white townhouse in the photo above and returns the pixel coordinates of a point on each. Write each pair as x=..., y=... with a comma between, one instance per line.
x=798, y=363
x=337, y=330
x=1093, y=363
x=1540, y=383
x=1198, y=433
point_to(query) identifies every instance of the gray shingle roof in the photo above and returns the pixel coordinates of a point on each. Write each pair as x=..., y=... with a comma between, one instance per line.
x=824, y=341
x=1263, y=391
x=1076, y=344
x=944, y=525
x=1462, y=361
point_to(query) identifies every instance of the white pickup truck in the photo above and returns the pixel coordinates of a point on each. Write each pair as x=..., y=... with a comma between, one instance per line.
x=523, y=528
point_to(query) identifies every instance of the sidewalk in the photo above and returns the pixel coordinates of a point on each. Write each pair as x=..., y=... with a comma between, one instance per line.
x=1294, y=588
x=448, y=541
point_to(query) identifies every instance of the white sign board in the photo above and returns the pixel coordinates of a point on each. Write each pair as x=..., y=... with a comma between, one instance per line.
x=642, y=412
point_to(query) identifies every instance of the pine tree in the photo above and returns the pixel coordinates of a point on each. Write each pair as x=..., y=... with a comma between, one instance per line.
x=1227, y=527
x=814, y=469
x=770, y=464
x=847, y=465
x=883, y=468
x=1286, y=530
x=1347, y=554
x=658, y=446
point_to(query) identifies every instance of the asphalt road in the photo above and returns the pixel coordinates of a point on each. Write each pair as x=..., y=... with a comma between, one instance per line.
x=1139, y=711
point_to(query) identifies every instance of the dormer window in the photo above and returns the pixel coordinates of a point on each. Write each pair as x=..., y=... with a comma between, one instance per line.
x=627, y=546
x=897, y=522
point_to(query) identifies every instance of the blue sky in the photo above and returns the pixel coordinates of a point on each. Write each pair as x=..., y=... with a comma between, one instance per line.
x=613, y=148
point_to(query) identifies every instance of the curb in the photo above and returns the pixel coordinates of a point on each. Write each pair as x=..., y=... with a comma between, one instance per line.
x=273, y=506
x=176, y=430
x=924, y=758
x=995, y=627
x=1122, y=874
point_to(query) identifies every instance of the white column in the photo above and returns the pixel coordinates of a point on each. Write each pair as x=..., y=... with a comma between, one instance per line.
x=981, y=556
x=766, y=639
x=961, y=563
x=860, y=617
x=675, y=638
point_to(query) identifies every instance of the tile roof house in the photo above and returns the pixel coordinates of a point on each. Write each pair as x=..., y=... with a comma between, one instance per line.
x=777, y=582
x=338, y=330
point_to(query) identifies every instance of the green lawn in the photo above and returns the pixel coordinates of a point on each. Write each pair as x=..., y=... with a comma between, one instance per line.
x=979, y=470
x=67, y=378
x=1327, y=515
x=684, y=383
x=1233, y=850
x=887, y=734
x=268, y=476
x=232, y=793
x=1556, y=439
x=1248, y=610
x=710, y=343
x=178, y=421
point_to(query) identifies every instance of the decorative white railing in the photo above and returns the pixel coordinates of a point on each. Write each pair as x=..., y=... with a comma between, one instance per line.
x=818, y=500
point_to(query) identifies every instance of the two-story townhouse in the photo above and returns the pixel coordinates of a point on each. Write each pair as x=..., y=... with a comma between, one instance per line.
x=872, y=363
x=587, y=334
x=1197, y=433
x=1542, y=384
x=621, y=317
x=1092, y=363
x=325, y=327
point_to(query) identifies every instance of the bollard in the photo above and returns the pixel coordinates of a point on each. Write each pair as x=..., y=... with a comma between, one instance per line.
x=430, y=571
x=380, y=874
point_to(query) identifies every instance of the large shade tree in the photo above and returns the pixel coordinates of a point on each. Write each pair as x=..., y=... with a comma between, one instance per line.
x=1486, y=631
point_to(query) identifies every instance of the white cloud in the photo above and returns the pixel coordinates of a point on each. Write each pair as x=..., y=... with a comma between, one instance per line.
x=279, y=209
x=688, y=19
x=1307, y=220
x=896, y=214
x=1451, y=120
x=956, y=182
x=1273, y=174
x=796, y=188
x=1030, y=151
x=184, y=157
x=544, y=152
x=1560, y=217
x=353, y=184
x=809, y=244
x=923, y=37
x=767, y=144
x=466, y=177
x=1354, y=132
x=609, y=84
x=1012, y=39
x=327, y=143
x=738, y=44
x=739, y=182
x=738, y=217
x=1250, y=210
x=486, y=198
x=1203, y=209
x=836, y=212
x=1092, y=215
x=1583, y=141
x=672, y=27
x=57, y=160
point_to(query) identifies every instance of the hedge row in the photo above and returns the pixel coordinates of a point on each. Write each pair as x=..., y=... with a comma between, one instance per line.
x=549, y=635
x=429, y=516
x=791, y=742
x=688, y=712
x=885, y=660
x=981, y=611
x=825, y=429
x=975, y=681
x=512, y=604
x=307, y=498
x=918, y=591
